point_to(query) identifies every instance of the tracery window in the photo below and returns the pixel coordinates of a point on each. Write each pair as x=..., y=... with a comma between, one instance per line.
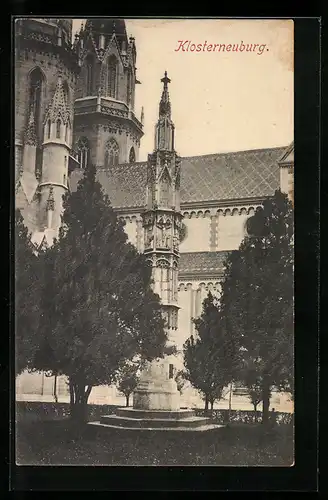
x=35, y=97
x=112, y=152
x=132, y=155
x=112, y=76
x=83, y=152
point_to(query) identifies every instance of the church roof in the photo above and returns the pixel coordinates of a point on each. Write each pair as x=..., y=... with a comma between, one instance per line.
x=202, y=262
x=222, y=176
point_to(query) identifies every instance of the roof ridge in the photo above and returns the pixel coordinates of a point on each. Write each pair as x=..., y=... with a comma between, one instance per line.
x=209, y=155
x=226, y=153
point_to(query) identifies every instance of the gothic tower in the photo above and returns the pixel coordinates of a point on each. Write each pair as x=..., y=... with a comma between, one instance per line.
x=162, y=222
x=106, y=130
x=46, y=69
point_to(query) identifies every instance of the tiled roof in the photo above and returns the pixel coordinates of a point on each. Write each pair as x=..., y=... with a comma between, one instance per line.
x=224, y=176
x=204, y=262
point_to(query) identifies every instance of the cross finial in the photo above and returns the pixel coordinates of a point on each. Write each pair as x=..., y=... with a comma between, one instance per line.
x=165, y=80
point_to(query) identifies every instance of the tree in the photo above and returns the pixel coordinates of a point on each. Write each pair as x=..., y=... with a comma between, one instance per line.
x=128, y=379
x=26, y=296
x=208, y=358
x=257, y=296
x=253, y=382
x=98, y=306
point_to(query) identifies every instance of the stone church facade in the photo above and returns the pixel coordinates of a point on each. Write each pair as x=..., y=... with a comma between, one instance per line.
x=74, y=104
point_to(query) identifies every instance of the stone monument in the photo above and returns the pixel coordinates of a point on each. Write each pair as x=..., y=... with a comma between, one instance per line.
x=156, y=400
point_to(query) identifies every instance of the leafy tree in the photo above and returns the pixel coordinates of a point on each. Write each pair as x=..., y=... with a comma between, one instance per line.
x=128, y=379
x=26, y=296
x=208, y=358
x=257, y=296
x=98, y=306
x=253, y=382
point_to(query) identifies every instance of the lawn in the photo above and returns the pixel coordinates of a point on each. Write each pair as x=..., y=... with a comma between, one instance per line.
x=57, y=442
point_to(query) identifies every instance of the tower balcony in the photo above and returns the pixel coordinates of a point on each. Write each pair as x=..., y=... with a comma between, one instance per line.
x=106, y=106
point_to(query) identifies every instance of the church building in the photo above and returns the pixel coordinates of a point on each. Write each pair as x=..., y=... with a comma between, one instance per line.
x=74, y=105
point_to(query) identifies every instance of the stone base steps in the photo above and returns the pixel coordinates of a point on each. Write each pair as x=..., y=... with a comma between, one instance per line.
x=155, y=414
x=200, y=428
x=137, y=419
x=154, y=423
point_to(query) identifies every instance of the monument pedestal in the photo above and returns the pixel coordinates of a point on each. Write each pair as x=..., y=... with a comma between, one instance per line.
x=156, y=391
x=156, y=406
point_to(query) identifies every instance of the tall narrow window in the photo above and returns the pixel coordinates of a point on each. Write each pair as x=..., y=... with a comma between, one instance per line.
x=128, y=89
x=48, y=129
x=132, y=156
x=175, y=282
x=35, y=98
x=112, y=153
x=67, y=131
x=111, y=76
x=164, y=277
x=89, y=75
x=165, y=188
x=83, y=152
x=58, y=126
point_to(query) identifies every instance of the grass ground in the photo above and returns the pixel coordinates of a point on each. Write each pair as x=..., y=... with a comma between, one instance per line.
x=59, y=443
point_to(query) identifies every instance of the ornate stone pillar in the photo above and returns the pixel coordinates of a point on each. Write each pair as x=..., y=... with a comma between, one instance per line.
x=162, y=219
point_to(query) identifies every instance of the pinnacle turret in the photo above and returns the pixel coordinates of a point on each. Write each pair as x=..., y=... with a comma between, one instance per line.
x=164, y=130
x=165, y=105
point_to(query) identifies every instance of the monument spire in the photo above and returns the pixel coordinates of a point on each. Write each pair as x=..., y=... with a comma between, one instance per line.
x=156, y=399
x=162, y=221
x=164, y=129
x=165, y=105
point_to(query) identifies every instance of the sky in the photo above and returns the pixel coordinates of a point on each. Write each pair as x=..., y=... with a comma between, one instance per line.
x=221, y=101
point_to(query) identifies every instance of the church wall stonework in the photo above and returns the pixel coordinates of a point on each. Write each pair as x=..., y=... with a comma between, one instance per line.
x=198, y=235
x=191, y=295
x=51, y=66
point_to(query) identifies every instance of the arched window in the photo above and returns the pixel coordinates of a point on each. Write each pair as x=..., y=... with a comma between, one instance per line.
x=132, y=155
x=112, y=76
x=112, y=153
x=48, y=129
x=89, y=68
x=58, y=126
x=35, y=97
x=83, y=152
